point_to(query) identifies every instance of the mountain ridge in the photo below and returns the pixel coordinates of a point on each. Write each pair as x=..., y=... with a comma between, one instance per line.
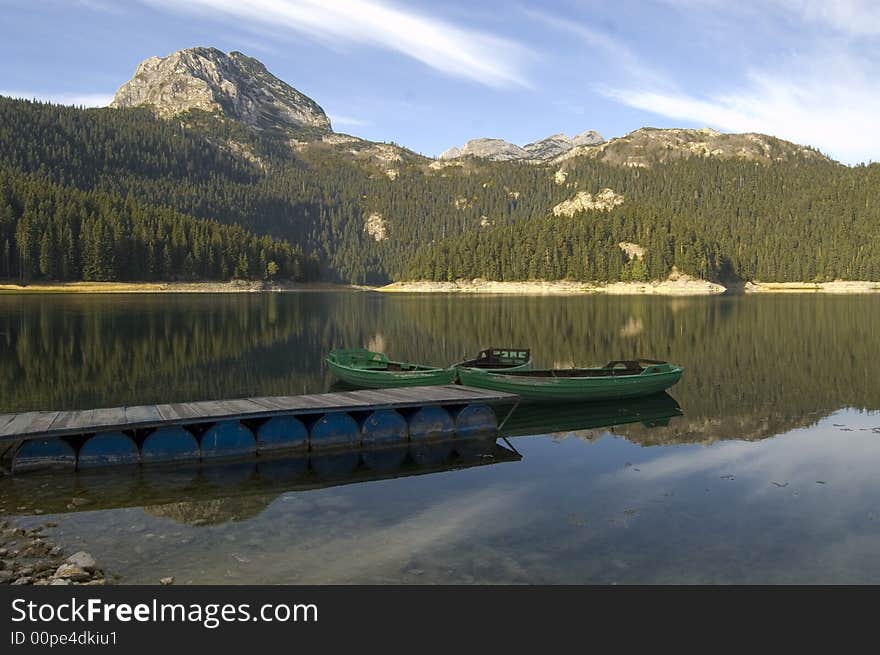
x=241, y=88
x=537, y=151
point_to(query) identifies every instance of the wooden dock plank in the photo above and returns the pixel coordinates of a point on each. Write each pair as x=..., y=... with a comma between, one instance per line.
x=166, y=412
x=214, y=408
x=267, y=403
x=369, y=398
x=319, y=401
x=5, y=419
x=66, y=421
x=142, y=414
x=243, y=406
x=82, y=420
x=176, y=412
x=28, y=422
x=112, y=417
x=412, y=395
x=38, y=424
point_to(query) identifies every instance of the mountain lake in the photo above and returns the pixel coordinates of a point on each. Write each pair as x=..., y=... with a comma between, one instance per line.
x=761, y=466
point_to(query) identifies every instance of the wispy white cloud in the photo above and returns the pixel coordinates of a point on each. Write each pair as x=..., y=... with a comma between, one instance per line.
x=614, y=52
x=820, y=92
x=339, y=119
x=458, y=51
x=853, y=17
x=65, y=98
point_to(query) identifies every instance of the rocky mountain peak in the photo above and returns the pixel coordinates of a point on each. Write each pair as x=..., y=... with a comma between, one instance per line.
x=235, y=85
x=537, y=151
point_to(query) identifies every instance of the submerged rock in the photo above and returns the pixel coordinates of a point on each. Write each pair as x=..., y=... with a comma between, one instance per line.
x=83, y=560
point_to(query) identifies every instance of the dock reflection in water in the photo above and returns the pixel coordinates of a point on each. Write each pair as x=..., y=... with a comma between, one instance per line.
x=266, y=478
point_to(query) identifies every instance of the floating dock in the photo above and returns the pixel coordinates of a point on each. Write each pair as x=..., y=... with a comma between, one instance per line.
x=198, y=431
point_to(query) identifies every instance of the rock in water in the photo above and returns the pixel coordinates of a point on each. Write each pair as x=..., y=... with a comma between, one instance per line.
x=83, y=560
x=71, y=572
x=237, y=86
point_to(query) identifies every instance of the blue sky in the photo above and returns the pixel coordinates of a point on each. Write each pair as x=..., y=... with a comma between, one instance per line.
x=429, y=75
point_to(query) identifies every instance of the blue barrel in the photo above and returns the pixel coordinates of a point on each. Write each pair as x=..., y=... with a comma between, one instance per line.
x=385, y=460
x=431, y=423
x=335, y=465
x=335, y=430
x=228, y=439
x=170, y=444
x=35, y=454
x=431, y=454
x=283, y=469
x=282, y=433
x=384, y=427
x=475, y=419
x=108, y=449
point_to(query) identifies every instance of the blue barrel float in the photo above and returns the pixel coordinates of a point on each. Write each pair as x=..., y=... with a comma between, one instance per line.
x=228, y=439
x=431, y=422
x=474, y=419
x=384, y=427
x=335, y=430
x=53, y=453
x=108, y=449
x=282, y=433
x=170, y=444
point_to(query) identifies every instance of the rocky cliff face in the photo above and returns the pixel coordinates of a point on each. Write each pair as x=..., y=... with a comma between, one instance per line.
x=233, y=84
x=492, y=149
x=538, y=151
x=558, y=144
x=648, y=146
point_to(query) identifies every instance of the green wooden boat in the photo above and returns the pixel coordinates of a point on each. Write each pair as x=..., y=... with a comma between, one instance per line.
x=616, y=380
x=497, y=359
x=364, y=368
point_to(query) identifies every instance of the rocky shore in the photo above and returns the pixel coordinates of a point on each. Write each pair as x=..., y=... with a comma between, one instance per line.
x=837, y=286
x=27, y=557
x=234, y=286
x=683, y=286
x=678, y=285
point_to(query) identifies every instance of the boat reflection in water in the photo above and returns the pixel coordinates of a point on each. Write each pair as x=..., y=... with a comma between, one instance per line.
x=244, y=488
x=652, y=411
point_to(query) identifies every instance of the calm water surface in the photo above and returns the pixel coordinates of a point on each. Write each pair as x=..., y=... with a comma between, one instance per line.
x=761, y=467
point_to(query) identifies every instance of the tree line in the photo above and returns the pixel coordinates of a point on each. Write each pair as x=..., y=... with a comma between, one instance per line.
x=50, y=232
x=798, y=219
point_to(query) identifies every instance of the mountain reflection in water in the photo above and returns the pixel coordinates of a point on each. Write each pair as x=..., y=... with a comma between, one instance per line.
x=767, y=475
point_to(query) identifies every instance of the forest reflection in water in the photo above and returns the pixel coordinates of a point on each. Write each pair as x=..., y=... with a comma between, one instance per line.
x=755, y=366
x=721, y=501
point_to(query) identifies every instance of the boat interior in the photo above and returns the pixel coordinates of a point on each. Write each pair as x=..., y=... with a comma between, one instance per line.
x=496, y=358
x=611, y=369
